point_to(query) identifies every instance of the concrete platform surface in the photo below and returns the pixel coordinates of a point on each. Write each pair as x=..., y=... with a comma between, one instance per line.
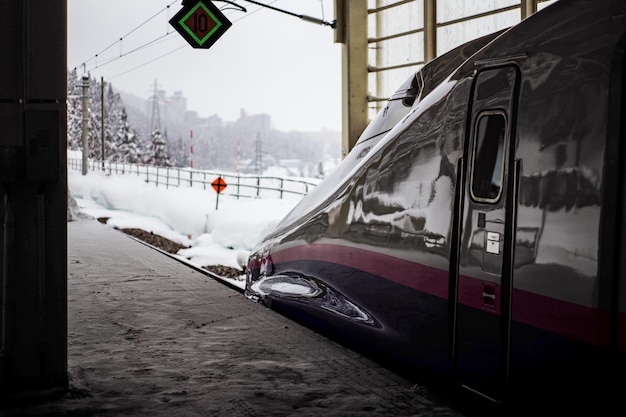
x=150, y=336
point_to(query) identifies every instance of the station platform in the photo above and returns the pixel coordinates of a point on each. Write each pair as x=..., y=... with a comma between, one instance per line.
x=150, y=336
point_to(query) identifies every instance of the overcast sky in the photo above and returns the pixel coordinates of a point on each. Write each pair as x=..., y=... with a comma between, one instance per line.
x=267, y=62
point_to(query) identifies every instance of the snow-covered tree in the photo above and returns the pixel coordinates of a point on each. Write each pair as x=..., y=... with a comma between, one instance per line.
x=179, y=153
x=160, y=155
x=121, y=143
x=217, y=145
x=128, y=149
x=74, y=111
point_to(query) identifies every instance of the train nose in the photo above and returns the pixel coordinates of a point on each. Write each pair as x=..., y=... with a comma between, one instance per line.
x=258, y=265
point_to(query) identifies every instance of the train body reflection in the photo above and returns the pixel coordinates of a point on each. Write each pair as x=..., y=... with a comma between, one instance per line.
x=476, y=231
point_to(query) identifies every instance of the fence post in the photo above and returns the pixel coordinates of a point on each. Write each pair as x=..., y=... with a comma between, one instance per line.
x=258, y=186
x=282, y=186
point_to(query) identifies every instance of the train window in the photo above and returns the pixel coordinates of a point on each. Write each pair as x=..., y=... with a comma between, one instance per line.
x=488, y=166
x=396, y=108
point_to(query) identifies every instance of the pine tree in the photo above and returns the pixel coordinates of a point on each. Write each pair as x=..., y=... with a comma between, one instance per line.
x=93, y=130
x=121, y=143
x=74, y=111
x=179, y=154
x=160, y=155
x=128, y=148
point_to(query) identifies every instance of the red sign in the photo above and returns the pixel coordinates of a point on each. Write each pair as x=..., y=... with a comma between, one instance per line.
x=218, y=185
x=200, y=23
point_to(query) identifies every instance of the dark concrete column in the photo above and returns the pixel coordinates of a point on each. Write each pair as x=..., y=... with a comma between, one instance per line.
x=33, y=196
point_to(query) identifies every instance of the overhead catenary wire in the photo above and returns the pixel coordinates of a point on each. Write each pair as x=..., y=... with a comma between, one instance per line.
x=166, y=8
x=153, y=42
x=301, y=16
x=147, y=62
x=98, y=65
x=145, y=45
x=174, y=50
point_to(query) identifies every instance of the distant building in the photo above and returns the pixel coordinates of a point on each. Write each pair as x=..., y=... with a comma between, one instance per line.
x=176, y=105
x=254, y=123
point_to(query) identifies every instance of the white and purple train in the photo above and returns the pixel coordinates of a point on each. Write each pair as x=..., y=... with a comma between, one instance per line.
x=476, y=232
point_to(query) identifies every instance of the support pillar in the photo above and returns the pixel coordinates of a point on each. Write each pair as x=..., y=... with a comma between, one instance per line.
x=430, y=30
x=352, y=32
x=528, y=7
x=33, y=196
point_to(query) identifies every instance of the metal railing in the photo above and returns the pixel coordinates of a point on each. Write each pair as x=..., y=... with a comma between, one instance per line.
x=238, y=185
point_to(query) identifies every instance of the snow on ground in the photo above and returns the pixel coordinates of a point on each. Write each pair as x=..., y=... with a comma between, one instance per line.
x=184, y=215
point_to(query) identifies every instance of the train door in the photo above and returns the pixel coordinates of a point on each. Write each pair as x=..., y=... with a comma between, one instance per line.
x=485, y=226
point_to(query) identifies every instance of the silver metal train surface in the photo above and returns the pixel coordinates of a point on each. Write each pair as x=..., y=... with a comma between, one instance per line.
x=476, y=233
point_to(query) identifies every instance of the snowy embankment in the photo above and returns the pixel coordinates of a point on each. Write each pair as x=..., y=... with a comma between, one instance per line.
x=184, y=215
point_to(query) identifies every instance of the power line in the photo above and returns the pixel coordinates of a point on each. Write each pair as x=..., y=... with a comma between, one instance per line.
x=149, y=43
x=148, y=62
x=301, y=16
x=145, y=45
x=167, y=53
x=131, y=51
x=129, y=33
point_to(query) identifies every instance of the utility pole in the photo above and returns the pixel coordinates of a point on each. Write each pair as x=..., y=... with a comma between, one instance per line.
x=102, y=118
x=259, y=154
x=85, y=98
x=155, y=122
x=191, y=149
